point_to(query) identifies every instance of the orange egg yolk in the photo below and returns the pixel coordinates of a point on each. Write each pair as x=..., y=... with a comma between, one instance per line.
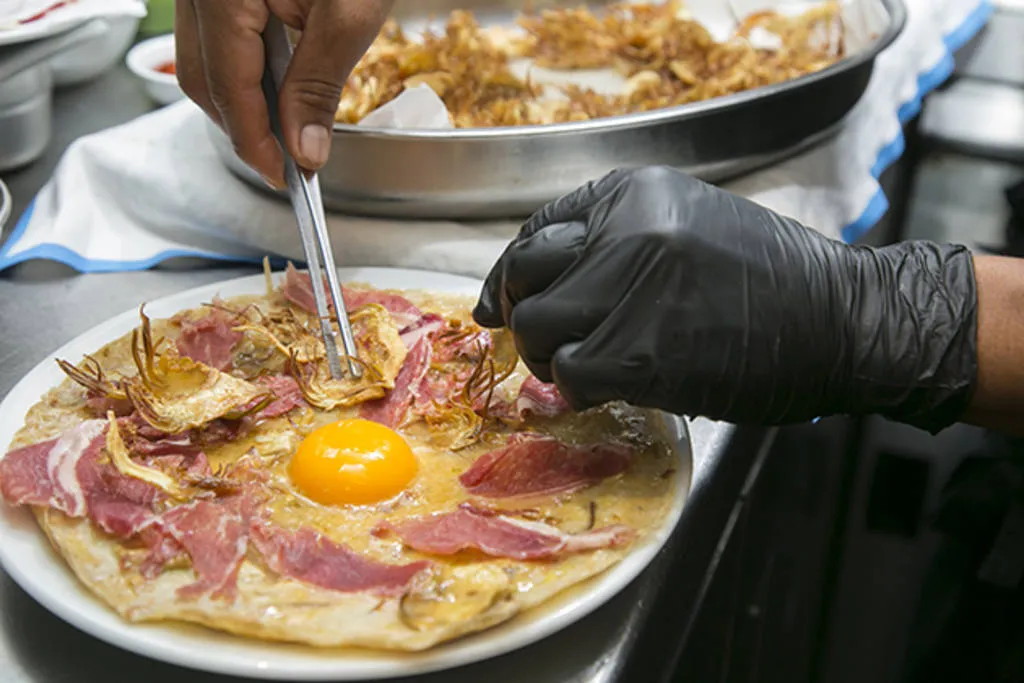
x=352, y=462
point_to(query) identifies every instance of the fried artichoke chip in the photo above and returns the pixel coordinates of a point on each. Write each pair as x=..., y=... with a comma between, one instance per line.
x=454, y=426
x=122, y=460
x=326, y=393
x=496, y=363
x=174, y=394
x=91, y=376
x=292, y=334
x=380, y=346
x=379, y=341
x=458, y=423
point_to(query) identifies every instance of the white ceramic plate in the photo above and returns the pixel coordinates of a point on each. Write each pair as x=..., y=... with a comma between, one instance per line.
x=27, y=557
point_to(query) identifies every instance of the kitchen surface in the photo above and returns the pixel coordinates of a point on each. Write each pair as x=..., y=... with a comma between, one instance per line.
x=792, y=547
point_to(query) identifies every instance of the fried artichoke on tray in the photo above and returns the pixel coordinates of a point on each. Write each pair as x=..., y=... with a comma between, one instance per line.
x=665, y=56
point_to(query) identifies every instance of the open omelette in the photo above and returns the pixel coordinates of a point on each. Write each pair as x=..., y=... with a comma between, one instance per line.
x=206, y=468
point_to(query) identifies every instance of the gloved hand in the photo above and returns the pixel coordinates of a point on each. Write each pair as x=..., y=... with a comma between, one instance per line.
x=652, y=287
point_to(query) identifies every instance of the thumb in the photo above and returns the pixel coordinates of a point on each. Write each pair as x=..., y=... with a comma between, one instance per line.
x=336, y=34
x=584, y=382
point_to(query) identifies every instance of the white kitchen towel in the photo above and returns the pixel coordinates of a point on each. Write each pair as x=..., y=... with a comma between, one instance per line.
x=152, y=190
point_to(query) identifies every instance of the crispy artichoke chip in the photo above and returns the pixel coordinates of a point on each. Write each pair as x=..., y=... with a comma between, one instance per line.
x=91, y=376
x=174, y=394
x=454, y=426
x=379, y=342
x=326, y=393
x=122, y=460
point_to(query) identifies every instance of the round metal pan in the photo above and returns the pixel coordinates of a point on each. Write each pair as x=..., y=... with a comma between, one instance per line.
x=482, y=173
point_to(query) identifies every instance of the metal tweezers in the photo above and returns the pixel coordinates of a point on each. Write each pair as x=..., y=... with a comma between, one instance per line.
x=309, y=212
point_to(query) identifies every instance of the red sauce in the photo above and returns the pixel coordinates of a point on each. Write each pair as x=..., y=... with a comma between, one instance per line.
x=166, y=68
x=52, y=8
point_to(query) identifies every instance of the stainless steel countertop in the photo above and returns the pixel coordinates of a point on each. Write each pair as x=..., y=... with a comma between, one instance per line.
x=43, y=305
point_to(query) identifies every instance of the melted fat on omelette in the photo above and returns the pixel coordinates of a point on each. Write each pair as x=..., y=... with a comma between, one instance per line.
x=456, y=594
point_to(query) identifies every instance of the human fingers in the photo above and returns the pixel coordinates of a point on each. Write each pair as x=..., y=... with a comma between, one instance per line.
x=231, y=35
x=335, y=35
x=527, y=267
x=574, y=205
x=188, y=58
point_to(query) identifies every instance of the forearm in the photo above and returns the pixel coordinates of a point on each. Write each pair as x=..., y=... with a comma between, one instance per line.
x=998, y=401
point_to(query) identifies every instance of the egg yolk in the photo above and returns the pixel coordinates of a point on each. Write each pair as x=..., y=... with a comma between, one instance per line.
x=352, y=462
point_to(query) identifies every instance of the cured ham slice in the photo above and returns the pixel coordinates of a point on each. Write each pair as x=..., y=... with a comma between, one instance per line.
x=143, y=439
x=44, y=474
x=541, y=466
x=391, y=410
x=171, y=444
x=422, y=328
x=118, y=504
x=287, y=395
x=66, y=474
x=215, y=534
x=99, y=406
x=298, y=289
x=539, y=398
x=209, y=339
x=308, y=556
x=403, y=311
x=470, y=528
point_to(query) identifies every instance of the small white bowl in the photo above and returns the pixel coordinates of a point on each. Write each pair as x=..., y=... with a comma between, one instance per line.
x=95, y=57
x=145, y=58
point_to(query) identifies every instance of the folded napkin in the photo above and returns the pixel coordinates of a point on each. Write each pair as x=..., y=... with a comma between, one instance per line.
x=154, y=189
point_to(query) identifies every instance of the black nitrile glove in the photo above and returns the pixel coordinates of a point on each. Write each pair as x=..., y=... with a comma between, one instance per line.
x=652, y=287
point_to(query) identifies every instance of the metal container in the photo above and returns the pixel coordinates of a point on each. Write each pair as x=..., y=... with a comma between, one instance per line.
x=510, y=172
x=6, y=207
x=26, y=93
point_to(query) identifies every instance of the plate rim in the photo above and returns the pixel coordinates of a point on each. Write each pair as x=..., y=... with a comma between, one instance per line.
x=88, y=613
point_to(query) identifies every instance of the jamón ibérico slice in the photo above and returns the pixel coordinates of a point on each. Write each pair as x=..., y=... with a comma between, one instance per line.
x=118, y=504
x=99, y=406
x=390, y=410
x=215, y=534
x=45, y=474
x=471, y=528
x=310, y=557
x=532, y=465
x=539, y=398
x=287, y=396
x=161, y=549
x=421, y=328
x=403, y=311
x=66, y=474
x=209, y=339
x=143, y=439
x=170, y=445
x=298, y=289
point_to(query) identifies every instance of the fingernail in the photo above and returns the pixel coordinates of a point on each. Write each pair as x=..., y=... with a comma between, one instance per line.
x=273, y=184
x=314, y=144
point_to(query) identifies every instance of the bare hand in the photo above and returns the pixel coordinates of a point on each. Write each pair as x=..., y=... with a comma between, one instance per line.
x=220, y=64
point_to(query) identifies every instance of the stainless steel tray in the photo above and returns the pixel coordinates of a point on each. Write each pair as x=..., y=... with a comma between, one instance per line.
x=510, y=172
